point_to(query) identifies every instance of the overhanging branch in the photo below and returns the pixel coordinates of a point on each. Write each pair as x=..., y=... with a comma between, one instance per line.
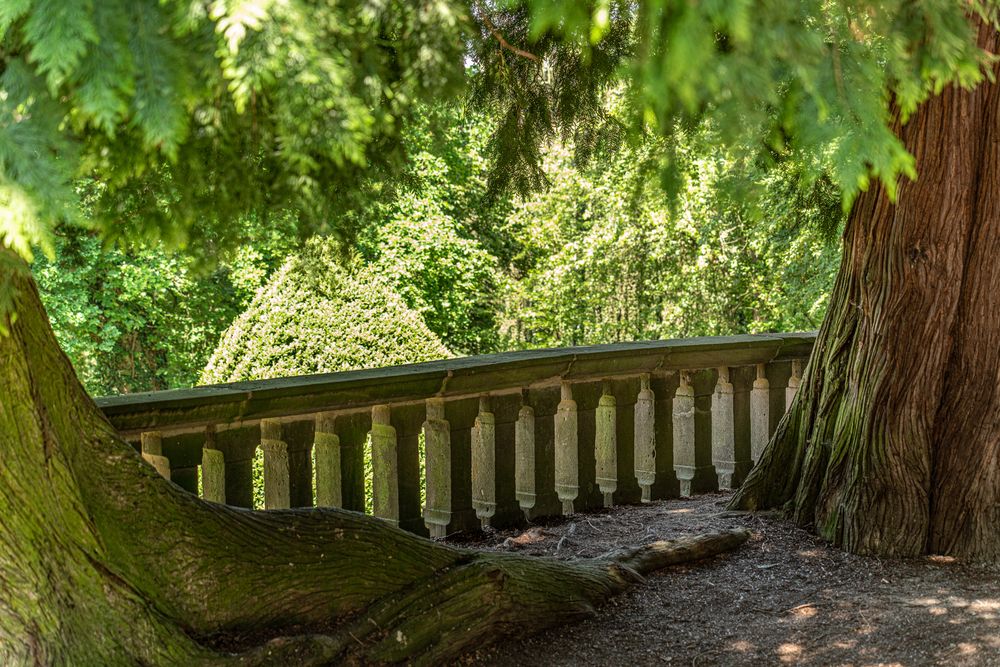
x=504, y=44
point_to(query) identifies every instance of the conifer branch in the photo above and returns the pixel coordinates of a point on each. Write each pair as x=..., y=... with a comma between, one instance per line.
x=500, y=38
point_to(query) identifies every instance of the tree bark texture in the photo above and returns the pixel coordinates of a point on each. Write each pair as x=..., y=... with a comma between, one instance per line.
x=102, y=561
x=891, y=446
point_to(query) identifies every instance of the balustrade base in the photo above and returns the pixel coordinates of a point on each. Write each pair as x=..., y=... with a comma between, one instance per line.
x=733, y=475
x=696, y=479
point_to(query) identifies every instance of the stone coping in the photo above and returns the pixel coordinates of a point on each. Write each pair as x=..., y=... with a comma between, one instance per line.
x=237, y=402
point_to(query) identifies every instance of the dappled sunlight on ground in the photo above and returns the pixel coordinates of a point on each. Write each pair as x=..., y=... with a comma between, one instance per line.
x=809, y=553
x=986, y=608
x=789, y=652
x=784, y=598
x=804, y=611
x=743, y=646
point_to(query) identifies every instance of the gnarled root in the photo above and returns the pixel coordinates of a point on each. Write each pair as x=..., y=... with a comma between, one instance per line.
x=482, y=600
x=102, y=561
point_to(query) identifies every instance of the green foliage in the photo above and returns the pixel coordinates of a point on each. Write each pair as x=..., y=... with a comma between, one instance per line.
x=143, y=318
x=183, y=120
x=140, y=318
x=257, y=478
x=598, y=257
x=316, y=316
x=433, y=239
x=193, y=115
x=450, y=280
x=606, y=259
x=815, y=81
x=550, y=89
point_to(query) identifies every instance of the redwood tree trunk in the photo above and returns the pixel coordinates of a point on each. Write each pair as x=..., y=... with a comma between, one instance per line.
x=103, y=562
x=891, y=446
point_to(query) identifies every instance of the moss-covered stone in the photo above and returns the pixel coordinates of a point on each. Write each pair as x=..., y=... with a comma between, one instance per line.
x=316, y=316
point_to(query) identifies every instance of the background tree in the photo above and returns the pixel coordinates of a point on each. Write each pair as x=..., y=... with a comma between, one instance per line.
x=140, y=317
x=439, y=240
x=604, y=258
x=596, y=257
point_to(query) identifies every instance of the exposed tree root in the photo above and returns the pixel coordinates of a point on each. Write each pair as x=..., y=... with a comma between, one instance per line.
x=491, y=596
x=102, y=561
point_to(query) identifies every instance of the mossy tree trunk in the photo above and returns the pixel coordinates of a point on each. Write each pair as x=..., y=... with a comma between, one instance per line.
x=102, y=561
x=892, y=446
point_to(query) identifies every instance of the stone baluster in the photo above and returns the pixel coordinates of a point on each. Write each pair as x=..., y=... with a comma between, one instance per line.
x=353, y=431
x=484, y=465
x=213, y=470
x=326, y=452
x=385, y=466
x=524, y=453
x=606, y=445
x=645, y=439
x=437, y=455
x=152, y=452
x=567, y=453
x=760, y=417
x=723, y=430
x=793, y=383
x=277, y=491
x=685, y=464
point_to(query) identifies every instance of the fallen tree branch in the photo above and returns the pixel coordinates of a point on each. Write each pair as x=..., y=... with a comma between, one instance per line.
x=658, y=555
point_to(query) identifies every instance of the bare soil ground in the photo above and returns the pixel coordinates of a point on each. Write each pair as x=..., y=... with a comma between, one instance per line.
x=783, y=598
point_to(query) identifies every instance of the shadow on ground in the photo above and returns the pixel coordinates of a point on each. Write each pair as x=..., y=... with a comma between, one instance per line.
x=784, y=598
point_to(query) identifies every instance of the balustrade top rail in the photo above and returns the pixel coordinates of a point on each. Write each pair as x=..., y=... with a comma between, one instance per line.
x=492, y=440
x=183, y=409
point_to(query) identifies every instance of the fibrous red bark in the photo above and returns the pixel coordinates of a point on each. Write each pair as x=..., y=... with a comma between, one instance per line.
x=893, y=442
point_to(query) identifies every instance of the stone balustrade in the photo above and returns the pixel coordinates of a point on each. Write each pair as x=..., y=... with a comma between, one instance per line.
x=481, y=441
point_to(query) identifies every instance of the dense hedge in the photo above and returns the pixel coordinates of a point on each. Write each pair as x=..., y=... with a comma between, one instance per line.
x=316, y=316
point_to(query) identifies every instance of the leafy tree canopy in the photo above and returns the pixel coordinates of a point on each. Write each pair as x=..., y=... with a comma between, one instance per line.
x=596, y=257
x=818, y=82
x=190, y=114
x=440, y=240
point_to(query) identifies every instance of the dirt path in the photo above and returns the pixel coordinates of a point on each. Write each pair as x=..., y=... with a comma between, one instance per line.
x=784, y=598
